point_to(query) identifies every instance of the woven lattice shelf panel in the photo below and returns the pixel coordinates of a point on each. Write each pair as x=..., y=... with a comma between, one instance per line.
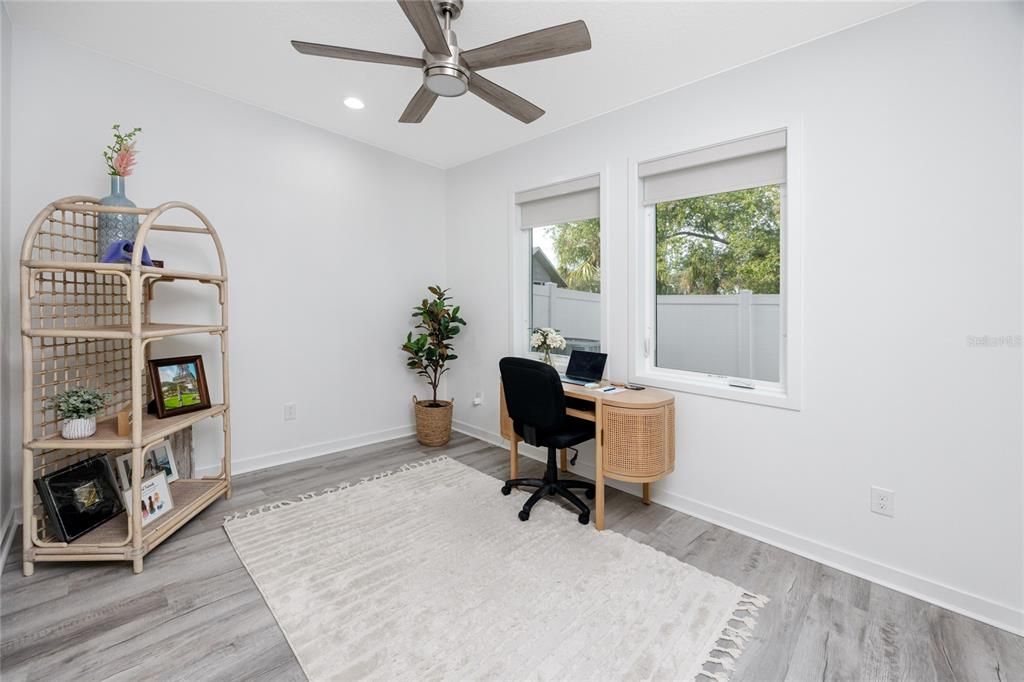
x=87, y=324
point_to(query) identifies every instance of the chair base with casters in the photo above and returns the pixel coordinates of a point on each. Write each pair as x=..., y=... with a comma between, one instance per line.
x=552, y=485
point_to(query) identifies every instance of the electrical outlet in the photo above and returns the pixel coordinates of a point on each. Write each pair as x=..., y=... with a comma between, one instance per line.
x=478, y=399
x=290, y=412
x=883, y=501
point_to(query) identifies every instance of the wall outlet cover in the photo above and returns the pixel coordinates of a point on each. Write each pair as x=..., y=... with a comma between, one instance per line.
x=883, y=501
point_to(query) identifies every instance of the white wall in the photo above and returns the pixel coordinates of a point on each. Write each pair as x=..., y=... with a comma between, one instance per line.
x=310, y=221
x=912, y=137
x=8, y=443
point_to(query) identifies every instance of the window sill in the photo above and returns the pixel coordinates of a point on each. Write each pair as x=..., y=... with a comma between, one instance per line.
x=763, y=393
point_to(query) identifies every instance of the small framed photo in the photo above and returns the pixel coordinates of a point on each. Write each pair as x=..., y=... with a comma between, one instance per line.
x=179, y=385
x=154, y=500
x=156, y=459
x=124, y=470
x=163, y=460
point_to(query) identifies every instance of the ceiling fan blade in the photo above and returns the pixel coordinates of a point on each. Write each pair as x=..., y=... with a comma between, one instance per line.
x=318, y=50
x=528, y=47
x=418, y=106
x=423, y=18
x=506, y=100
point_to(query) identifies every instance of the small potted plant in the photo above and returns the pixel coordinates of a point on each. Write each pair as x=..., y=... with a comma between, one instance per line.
x=429, y=352
x=546, y=339
x=77, y=408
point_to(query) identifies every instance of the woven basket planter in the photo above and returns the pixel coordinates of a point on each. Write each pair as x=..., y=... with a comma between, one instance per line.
x=433, y=424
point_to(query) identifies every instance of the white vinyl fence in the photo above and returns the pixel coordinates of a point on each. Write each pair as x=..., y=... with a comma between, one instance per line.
x=736, y=335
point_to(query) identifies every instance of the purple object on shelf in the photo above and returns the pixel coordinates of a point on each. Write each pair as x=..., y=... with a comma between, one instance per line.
x=121, y=252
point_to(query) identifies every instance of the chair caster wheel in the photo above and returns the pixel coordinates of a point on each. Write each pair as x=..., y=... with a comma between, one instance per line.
x=585, y=518
x=524, y=516
x=590, y=494
x=506, y=489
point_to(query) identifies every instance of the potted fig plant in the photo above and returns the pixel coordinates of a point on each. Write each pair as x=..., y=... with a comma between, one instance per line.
x=429, y=352
x=77, y=409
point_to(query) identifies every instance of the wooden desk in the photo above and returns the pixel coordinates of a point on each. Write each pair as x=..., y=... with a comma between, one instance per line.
x=635, y=436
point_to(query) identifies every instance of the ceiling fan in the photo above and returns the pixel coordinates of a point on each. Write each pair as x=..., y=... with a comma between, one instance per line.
x=448, y=71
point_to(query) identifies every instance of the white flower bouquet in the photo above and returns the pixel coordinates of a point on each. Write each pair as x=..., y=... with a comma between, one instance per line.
x=546, y=339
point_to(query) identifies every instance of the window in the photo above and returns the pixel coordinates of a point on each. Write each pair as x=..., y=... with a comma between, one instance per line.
x=566, y=282
x=717, y=280
x=563, y=246
x=713, y=257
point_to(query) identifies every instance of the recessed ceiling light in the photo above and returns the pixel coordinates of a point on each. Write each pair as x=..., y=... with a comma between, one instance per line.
x=354, y=103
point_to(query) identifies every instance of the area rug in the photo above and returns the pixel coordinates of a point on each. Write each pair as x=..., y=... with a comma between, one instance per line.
x=425, y=573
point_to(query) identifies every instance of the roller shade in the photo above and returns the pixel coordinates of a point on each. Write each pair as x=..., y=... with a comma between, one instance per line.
x=560, y=203
x=740, y=164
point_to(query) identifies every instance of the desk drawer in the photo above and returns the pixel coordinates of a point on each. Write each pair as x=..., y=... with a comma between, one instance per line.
x=639, y=444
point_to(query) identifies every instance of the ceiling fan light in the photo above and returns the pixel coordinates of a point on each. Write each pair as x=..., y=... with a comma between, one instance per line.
x=446, y=81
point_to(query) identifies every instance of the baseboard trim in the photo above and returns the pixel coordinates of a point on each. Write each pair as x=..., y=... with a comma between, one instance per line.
x=1002, y=616
x=7, y=532
x=272, y=459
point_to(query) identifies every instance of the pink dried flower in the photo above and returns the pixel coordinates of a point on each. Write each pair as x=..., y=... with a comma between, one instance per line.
x=124, y=162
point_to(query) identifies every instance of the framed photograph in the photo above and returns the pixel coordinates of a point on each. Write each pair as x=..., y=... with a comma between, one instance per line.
x=163, y=460
x=155, y=498
x=156, y=459
x=179, y=385
x=80, y=497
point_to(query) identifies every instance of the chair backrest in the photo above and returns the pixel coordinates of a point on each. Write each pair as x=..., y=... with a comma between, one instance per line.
x=533, y=393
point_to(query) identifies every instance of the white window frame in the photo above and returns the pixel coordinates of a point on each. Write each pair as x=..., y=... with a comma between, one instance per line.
x=787, y=392
x=521, y=275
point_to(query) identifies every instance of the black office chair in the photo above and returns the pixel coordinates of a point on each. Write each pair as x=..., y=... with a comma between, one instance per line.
x=536, y=404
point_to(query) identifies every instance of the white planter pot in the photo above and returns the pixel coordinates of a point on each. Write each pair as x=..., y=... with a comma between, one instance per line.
x=73, y=429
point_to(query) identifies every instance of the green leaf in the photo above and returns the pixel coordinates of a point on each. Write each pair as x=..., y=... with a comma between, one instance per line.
x=430, y=350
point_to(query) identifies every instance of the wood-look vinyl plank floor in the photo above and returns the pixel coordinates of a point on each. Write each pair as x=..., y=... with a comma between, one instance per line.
x=195, y=614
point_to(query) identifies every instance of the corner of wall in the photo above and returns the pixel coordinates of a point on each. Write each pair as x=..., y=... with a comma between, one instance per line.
x=9, y=445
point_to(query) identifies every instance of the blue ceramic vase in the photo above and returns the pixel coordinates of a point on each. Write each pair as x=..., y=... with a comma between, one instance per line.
x=116, y=226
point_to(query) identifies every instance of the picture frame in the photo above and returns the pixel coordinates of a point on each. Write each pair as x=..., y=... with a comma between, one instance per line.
x=163, y=457
x=158, y=458
x=178, y=385
x=155, y=496
x=80, y=497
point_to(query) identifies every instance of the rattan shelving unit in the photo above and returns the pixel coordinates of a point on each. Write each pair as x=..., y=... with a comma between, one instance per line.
x=85, y=323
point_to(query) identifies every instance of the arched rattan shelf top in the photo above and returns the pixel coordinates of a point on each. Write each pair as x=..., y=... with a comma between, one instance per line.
x=90, y=206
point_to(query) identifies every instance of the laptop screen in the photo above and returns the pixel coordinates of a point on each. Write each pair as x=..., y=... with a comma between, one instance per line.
x=586, y=365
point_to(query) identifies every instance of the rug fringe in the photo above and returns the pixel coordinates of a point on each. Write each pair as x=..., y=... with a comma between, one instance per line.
x=737, y=636
x=306, y=497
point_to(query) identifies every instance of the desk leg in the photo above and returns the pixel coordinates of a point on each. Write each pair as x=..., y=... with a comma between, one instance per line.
x=647, y=493
x=513, y=458
x=599, y=467
x=565, y=460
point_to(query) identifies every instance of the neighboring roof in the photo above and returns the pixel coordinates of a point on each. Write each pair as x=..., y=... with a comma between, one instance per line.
x=544, y=270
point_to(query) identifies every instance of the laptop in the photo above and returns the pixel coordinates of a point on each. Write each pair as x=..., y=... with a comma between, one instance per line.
x=584, y=367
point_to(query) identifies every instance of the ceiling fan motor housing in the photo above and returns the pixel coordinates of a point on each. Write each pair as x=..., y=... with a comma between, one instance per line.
x=445, y=75
x=452, y=8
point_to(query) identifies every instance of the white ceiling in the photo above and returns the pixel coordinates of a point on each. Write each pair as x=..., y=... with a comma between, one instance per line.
x=241, y=49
